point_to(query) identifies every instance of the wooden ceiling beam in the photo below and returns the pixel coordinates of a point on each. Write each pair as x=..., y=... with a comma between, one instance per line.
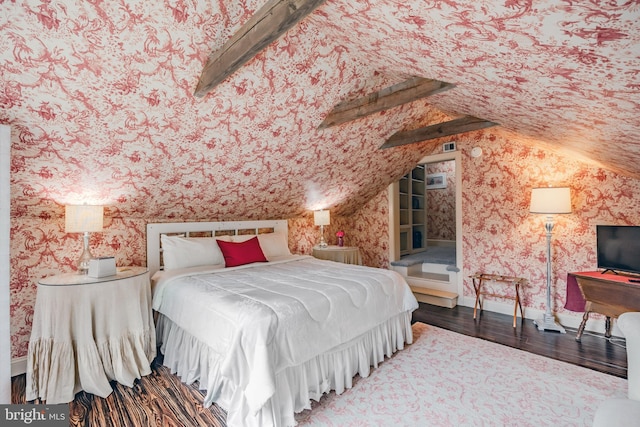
x=274, y=19
x=392, y=96
x=452, y=127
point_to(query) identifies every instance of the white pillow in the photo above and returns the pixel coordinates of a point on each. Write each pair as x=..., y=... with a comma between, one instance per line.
x=274, y=244
x=241, y=238
x=183, y=252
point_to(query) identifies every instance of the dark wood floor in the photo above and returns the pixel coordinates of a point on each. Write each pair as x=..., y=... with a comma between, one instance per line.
x=593, y=352
x=159, y=399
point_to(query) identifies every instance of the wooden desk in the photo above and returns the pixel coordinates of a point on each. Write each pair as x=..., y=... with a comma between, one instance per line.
x=609, y=294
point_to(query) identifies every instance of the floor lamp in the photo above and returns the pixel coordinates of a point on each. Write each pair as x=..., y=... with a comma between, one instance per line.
x=550, y=201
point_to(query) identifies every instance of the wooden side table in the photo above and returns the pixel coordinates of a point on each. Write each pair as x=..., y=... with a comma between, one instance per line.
x=344, y=254
x=90, y=331
x=480, y=278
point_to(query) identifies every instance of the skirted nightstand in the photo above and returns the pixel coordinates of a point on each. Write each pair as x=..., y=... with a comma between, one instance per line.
x=87, y=332
x=344, y=254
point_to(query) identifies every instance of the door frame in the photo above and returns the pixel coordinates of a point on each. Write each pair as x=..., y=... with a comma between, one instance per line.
x=5, y=292
x=394, y=217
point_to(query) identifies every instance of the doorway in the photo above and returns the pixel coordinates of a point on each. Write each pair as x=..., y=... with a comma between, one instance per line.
x=443, y=224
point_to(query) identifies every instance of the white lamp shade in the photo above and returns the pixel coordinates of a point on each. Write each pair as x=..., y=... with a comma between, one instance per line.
x=551, y=200
x=81, y=218
x=321, y=217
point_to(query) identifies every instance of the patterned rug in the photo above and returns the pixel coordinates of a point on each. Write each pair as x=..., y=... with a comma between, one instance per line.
x=448, y=379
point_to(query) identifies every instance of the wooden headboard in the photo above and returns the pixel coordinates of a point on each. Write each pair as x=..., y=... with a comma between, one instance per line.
x=204, y=229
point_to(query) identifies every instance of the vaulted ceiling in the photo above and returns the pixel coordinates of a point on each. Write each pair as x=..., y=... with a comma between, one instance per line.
x=101, y=95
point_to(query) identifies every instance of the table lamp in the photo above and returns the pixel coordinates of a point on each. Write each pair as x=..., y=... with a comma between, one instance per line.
x=321, y=218
x=83, y=219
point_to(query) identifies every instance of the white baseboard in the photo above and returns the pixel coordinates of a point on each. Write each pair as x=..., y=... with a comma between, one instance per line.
x=18, y=366
x=568, y=321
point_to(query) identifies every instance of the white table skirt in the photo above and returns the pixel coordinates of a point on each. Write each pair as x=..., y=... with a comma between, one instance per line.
x=87, y=334
x=344, y=254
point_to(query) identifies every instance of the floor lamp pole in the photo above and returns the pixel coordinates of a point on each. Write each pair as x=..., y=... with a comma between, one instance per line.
x=547, y=322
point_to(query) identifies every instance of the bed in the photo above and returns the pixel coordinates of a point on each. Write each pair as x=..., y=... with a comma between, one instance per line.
x=264, y=331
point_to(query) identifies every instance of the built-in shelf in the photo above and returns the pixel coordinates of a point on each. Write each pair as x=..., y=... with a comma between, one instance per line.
x=413, y=237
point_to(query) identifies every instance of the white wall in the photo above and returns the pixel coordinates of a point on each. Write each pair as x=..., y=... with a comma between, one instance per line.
x=5, y=200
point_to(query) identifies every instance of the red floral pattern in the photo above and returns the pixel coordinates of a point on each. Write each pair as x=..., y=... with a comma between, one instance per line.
x=441, y=203
x=100, y=99
x=499, y=235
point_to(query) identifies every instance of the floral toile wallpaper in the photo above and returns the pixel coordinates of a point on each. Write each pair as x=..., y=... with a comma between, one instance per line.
x=441, y=203
x=499, y=234
x=100, y=99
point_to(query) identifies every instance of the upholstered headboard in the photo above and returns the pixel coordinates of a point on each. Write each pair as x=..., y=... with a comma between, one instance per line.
x=204, y=229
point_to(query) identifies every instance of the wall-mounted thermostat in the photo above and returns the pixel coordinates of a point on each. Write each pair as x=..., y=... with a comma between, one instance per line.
x=449, y=146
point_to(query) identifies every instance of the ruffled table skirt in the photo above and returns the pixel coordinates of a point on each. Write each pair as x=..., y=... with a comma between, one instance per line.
x=85, y=336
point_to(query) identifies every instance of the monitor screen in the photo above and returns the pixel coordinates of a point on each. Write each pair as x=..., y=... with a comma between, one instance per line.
x=618, y=247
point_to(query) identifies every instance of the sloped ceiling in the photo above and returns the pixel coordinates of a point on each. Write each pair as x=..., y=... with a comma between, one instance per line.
x=567, y=73
x=101, y=98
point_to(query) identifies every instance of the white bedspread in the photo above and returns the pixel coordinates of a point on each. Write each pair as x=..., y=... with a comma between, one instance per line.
x=266, y=317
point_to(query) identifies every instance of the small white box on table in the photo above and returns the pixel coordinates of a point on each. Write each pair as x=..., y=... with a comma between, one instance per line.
x=102, y=267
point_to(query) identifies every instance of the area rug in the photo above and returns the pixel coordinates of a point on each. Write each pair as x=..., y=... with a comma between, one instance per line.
x=448, y=379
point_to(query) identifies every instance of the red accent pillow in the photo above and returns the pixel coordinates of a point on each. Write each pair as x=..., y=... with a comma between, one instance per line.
x=241, y=253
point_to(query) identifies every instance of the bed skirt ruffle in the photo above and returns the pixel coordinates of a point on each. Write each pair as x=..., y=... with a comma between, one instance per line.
x=193, y=361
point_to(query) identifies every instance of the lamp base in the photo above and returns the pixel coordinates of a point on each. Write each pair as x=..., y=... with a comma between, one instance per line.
x=322, y=243
x=83, y=267
x=83, y=262
x=548, y=323
x=85, y=256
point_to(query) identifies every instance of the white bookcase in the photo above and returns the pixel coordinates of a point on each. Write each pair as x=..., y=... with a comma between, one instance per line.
x=411, y=193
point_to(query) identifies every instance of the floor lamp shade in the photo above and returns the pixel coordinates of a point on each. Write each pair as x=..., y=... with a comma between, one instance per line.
x=83, y=219
x=321, y=218
x=551, y=200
